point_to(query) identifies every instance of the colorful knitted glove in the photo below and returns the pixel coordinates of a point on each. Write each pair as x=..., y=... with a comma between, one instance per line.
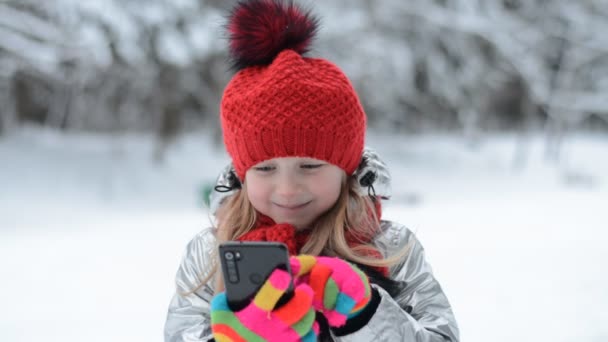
x=260, y=321
x=341, y=290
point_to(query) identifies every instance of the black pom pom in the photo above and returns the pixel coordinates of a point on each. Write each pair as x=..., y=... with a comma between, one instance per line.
x=260, y=29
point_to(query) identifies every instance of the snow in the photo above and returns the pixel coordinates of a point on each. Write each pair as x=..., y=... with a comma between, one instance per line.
x=24, y=22
x=92, y=231
x=39, y=53
x=173, y=48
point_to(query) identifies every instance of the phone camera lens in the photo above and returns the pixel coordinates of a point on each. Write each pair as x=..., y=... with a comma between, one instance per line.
x=229, y=256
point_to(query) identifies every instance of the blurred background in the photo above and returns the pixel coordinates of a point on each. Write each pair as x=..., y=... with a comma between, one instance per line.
x=491, y=114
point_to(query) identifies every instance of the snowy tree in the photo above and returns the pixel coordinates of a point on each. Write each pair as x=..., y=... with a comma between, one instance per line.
x=418, y=65
x=110, y=65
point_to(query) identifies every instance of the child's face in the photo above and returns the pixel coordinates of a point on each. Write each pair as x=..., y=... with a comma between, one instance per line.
x=293, y=190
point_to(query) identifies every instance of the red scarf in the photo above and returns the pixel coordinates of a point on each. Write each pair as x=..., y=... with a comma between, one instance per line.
x=267, y=230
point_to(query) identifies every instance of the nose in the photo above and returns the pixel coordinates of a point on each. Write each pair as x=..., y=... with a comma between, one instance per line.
x=287, y=186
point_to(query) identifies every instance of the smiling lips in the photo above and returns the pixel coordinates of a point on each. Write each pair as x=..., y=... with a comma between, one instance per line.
x=292, y=207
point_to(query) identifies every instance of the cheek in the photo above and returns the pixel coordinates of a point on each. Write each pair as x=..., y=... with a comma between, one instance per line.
x=257, y=195
x=329, y=193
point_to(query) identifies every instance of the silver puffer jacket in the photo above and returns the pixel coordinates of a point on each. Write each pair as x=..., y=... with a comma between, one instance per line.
x=420, y=312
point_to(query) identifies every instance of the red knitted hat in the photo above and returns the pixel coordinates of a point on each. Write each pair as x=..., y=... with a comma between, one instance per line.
x=281, y=104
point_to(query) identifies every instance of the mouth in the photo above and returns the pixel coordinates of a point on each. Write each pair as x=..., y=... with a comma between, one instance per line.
x=291, y=206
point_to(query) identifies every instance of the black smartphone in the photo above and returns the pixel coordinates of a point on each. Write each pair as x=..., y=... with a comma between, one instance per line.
x=246, y=265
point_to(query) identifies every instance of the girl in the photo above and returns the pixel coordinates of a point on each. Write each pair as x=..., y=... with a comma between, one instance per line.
x=294, y=129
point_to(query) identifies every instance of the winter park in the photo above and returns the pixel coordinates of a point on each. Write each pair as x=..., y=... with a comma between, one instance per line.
x=490, y=116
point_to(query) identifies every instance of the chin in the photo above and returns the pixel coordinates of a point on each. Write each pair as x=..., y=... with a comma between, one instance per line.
x=300, y=227
x=297, y=224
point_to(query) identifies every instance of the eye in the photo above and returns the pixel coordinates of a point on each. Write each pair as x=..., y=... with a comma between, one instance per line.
x=264, y=168
x=311, y=166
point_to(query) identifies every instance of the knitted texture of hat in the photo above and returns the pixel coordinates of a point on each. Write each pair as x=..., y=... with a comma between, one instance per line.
x=281, y=104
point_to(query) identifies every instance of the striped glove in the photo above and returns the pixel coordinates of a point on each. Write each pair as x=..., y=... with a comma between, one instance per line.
x=260, y=321
x=341, y=290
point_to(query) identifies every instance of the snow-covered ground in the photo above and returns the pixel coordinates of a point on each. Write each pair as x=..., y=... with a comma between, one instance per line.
x=92, y=230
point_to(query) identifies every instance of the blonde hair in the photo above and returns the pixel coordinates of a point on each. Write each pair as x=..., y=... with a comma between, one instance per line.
x=352, y=212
